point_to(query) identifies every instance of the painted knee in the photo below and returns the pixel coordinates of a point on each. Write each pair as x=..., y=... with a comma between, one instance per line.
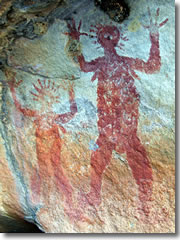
x=99, y=161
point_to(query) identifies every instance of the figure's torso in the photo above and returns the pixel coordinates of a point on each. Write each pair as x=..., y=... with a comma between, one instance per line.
x=115, y=82
x=46, y=126
x=118, y=99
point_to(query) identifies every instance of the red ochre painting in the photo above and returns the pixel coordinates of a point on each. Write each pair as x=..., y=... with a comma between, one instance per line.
x=48, y=139
x=118, y=103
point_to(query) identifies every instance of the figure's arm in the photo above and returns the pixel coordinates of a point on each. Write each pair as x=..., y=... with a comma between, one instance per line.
x=25, y=111
x=66, y=117
x=87, y=66
x=153, y=63
x=75, y=35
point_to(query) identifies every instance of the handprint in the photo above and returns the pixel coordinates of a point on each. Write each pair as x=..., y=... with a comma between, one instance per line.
x=75, y=32
x=154, y=26
x=13, y=83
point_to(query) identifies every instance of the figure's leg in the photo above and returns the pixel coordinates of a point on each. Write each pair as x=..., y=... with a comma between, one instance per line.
x=35, y=187
x=45, y=173
x=99, y=160
x=62, y=181
x=141, y=169
x=64, y=186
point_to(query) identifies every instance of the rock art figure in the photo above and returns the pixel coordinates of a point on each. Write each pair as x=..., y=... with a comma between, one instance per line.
x=48, y=139
x=118, y=103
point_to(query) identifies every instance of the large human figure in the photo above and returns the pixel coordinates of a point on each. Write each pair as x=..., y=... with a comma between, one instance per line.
x=118, y=103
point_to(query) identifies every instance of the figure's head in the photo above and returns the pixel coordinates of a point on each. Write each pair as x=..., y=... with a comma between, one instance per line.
x=46, y=94
x=108, y=36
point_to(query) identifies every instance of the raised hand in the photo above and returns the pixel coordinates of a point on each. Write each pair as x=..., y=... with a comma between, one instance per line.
x=154, y=25
x=74, y=32
x=13, y=83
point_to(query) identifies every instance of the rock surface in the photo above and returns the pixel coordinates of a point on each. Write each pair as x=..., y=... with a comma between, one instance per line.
x=87, y=122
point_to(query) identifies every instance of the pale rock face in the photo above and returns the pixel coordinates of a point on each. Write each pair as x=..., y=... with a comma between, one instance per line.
x=87, y=136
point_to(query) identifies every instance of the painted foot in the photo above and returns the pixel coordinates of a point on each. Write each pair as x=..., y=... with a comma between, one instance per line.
x=76, y=215
x=35, y=189
x=145, y=196
x=90, y=198
x=145, y=210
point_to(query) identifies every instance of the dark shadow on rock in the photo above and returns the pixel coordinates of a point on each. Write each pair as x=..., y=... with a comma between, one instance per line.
x=12, y=225
x=117, y=10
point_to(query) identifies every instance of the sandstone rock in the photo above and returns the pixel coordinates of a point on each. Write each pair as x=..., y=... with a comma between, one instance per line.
x=87, y=122
x=24, y=18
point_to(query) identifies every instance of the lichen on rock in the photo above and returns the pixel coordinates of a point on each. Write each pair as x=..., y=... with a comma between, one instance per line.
x=23, y=19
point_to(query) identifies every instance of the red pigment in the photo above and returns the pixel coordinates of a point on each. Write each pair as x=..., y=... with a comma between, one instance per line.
x=118, y=103
x=48, y=139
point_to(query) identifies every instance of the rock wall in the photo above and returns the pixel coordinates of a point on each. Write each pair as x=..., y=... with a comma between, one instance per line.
x=87, y=120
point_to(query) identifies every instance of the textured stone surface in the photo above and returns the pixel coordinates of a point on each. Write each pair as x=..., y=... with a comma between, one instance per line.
x=87, y=122
x=23, y=18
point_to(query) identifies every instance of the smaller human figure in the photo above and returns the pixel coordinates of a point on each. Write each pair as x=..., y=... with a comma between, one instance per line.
x=48, y=139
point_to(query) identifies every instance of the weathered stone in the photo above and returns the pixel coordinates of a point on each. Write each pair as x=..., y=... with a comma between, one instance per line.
x=87, y=121
x=23, y=19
